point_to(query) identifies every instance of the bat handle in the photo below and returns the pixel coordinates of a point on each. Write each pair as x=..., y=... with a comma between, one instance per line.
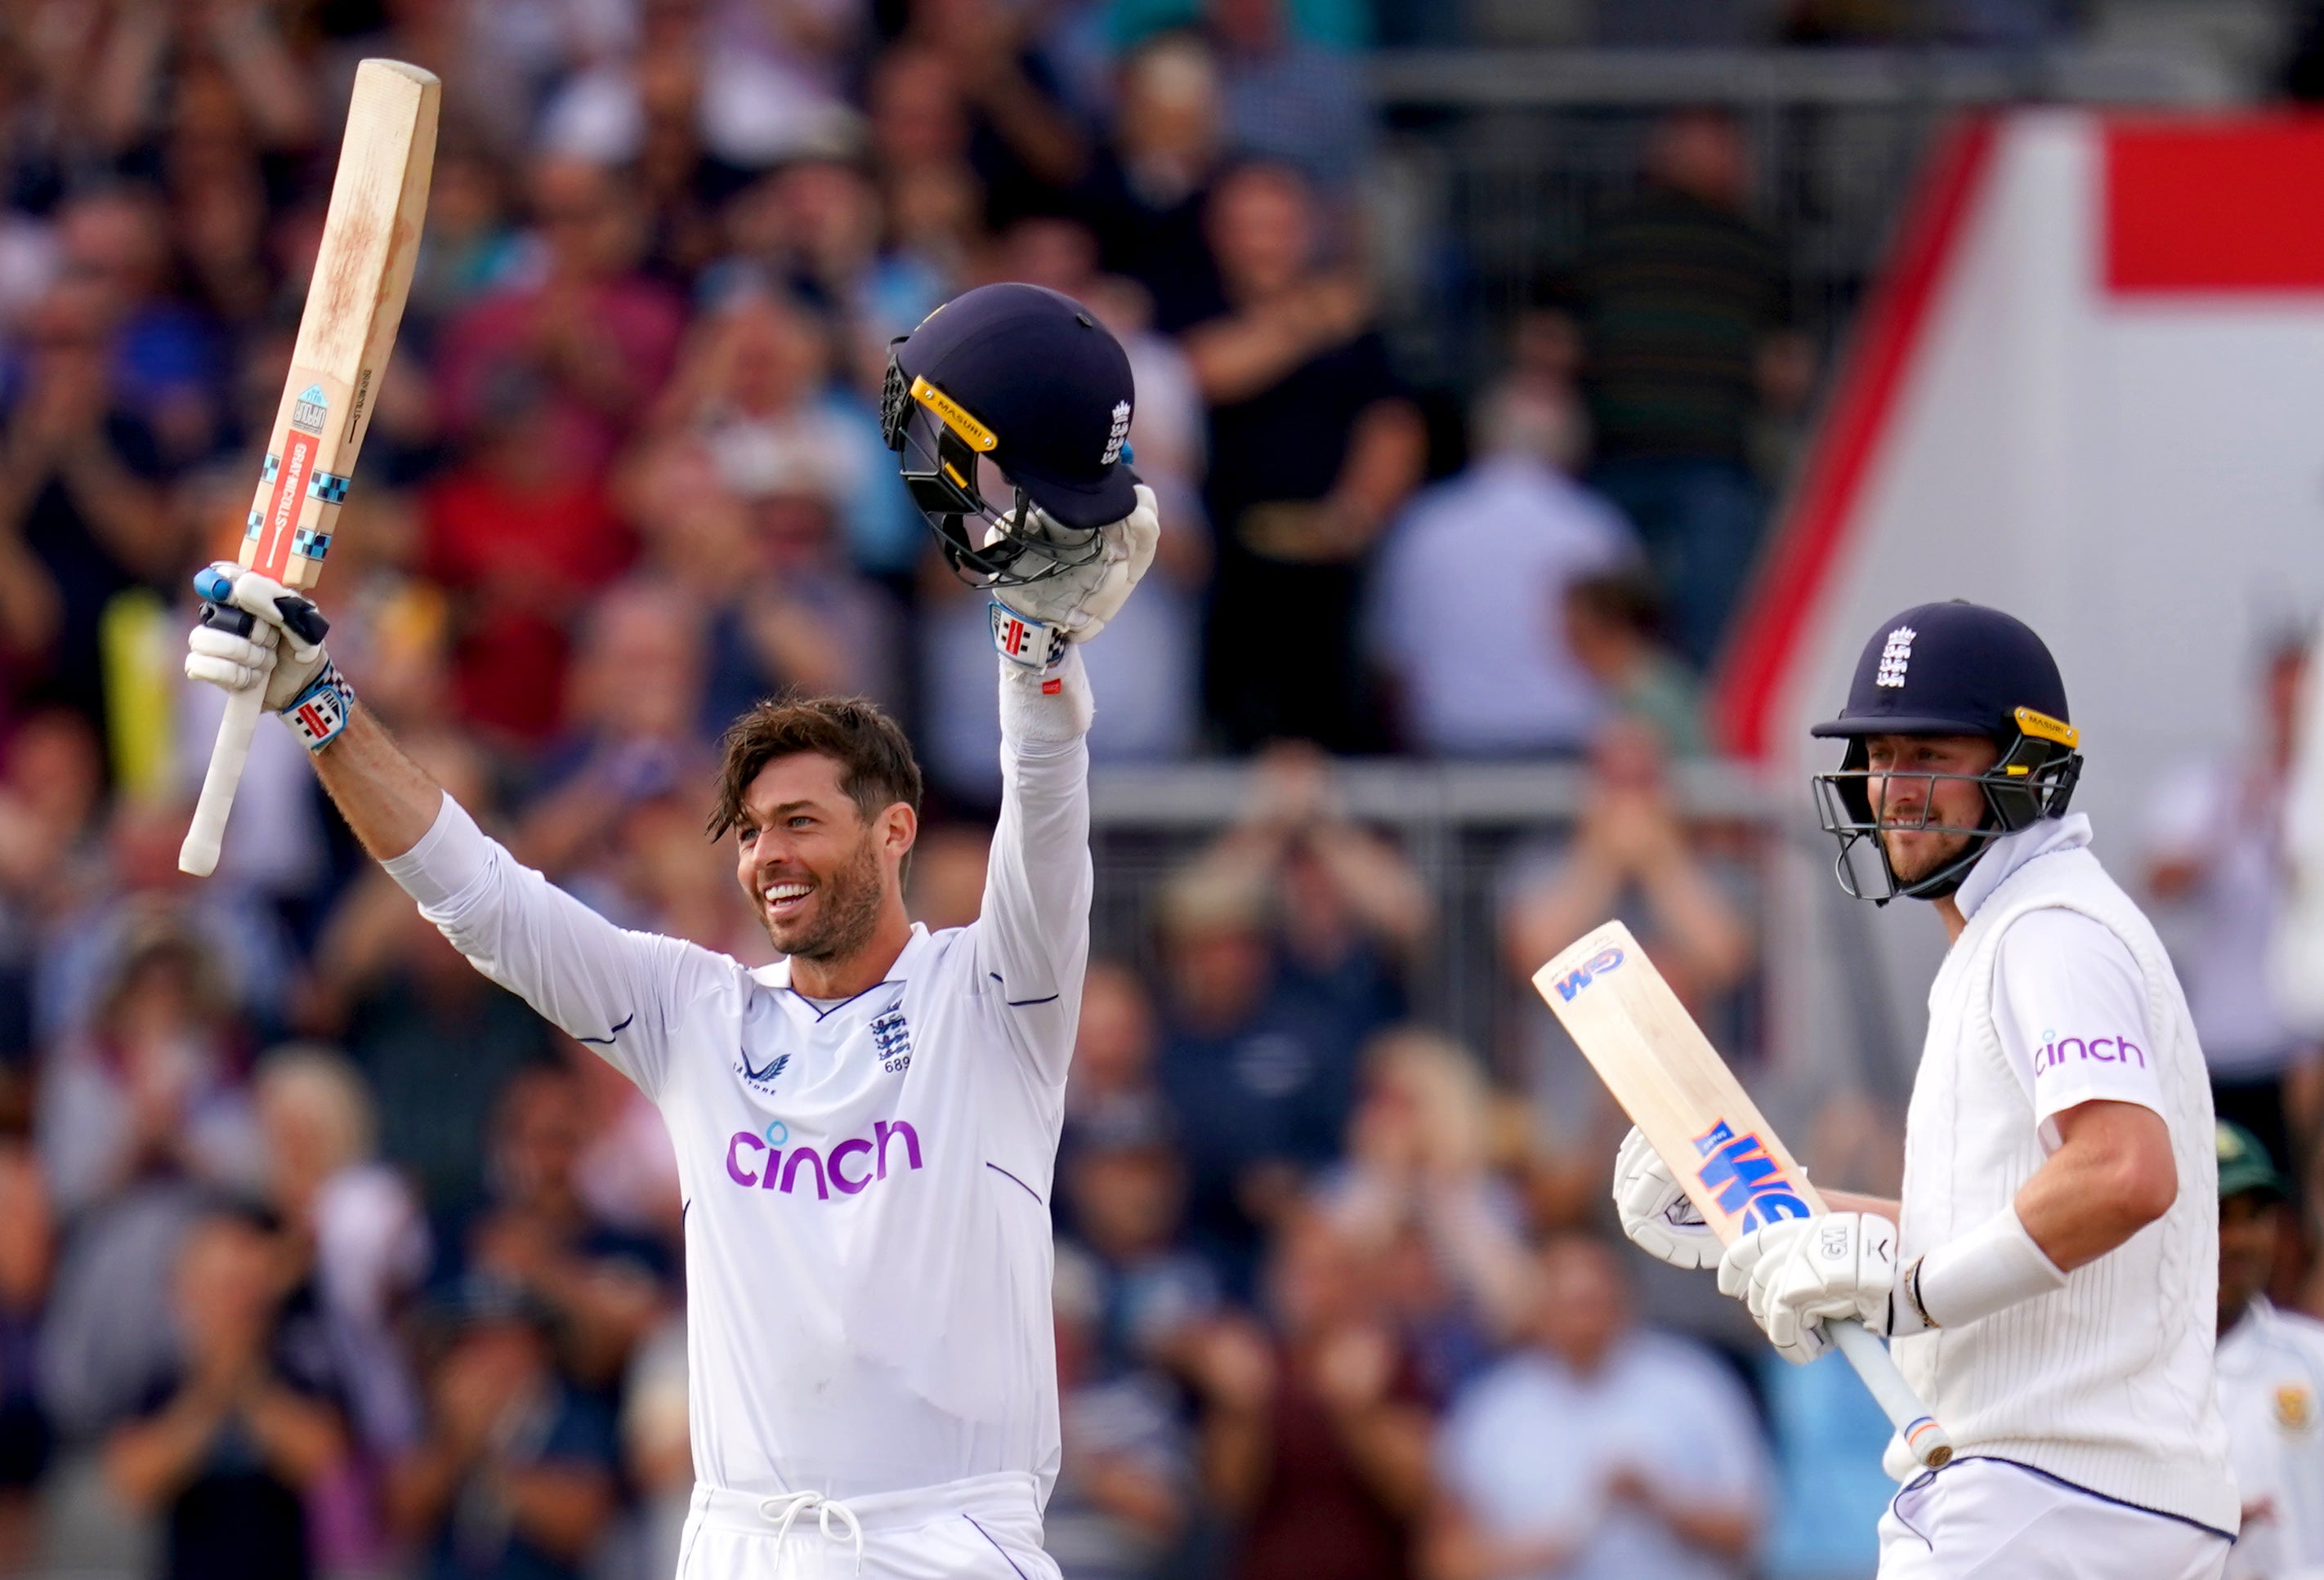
x=199, y=854
x=1923, y=1438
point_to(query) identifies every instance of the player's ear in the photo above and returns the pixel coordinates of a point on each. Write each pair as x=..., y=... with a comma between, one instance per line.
x=899, y=829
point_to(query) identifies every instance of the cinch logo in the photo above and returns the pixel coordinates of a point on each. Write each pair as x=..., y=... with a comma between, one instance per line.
x=753, y=1160
x=2056, y=1050
x=1743, y=1181
x=1596, y=965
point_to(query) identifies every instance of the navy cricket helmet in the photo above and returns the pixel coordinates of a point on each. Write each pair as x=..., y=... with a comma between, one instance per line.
x=1026, y=378
x=1955, y=669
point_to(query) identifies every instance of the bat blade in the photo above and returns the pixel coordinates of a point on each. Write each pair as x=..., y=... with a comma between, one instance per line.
x=1696, y=1116
x=362, y=273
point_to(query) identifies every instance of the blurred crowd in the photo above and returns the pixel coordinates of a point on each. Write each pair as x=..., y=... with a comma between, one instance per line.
x=321, y=1254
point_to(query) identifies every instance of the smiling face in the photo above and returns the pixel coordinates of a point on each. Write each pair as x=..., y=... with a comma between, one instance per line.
x=818, y=872
x=1905, y=799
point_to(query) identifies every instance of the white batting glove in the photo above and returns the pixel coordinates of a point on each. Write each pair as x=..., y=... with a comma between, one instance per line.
x=1074, y=605
x=1795, y=1273
x=254, y=630
x=1656, y=1214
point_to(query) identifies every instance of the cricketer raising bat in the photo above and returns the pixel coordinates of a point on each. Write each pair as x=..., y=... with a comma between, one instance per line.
x=371, y=238
x=1695, y=1114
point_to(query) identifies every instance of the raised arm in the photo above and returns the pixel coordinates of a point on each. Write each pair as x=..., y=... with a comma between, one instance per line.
x=617, y=991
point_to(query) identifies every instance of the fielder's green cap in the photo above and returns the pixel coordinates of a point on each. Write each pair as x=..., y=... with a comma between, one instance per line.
x=2244, y=1166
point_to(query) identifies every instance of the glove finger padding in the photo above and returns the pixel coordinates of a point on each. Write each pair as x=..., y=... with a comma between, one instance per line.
x=1794, y=1274
x=225, y=660
x=1657, y=1214
x=1081, y=599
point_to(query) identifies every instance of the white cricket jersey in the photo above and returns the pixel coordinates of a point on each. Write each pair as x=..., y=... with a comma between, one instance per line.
x=2058, y=993
x=866, y=1186
x=2272, y=1391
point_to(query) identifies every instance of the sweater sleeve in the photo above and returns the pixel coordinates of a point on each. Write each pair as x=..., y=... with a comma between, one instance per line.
x=620, y=993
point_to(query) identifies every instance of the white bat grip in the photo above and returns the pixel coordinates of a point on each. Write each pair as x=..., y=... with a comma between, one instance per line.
x=1923, y=1438
x=199, y=854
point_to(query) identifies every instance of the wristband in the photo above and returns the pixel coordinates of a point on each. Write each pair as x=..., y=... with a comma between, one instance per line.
x=1025, y=643
x=1993, y=1266
x=317, y=714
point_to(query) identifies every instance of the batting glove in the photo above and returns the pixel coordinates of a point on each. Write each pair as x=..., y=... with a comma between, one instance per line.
x=253, y=631
x=1656, y=1214
x=1032, y=623
x=1795, y=1273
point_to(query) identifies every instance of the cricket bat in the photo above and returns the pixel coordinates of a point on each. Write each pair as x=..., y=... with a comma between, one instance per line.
x=1695, y=1114
x=362, y=273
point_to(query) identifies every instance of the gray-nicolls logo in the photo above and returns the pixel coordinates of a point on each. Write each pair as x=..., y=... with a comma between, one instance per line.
x=1115, y=435
x=1894, y=657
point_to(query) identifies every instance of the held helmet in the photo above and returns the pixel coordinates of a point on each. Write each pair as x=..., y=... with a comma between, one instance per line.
x=1028, y=380
x=1954, y=668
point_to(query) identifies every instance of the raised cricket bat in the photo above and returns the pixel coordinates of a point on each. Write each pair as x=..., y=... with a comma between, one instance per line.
x=1695, y=1114
x=362, y=273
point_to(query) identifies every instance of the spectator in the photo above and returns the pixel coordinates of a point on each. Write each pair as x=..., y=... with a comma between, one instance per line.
x=227, y=1446
x=754, y=385
x=351, y=1221
x=155, y=1089
x=80, y=515
x=537, y=1237
x=1612, y=623
x=947, y=885
x=1289, y=98
x=1632, y=849
x=1147, y=192
x=1315, y=1439
x=1111, y=1082
x=27, y=1255
x=1414, y=1194
x=1598, y=1452
x=2215, y=842
x=585, y=338
x=1632, y=856
x=1021, y=142
x=1277, y=949
x=471, y=249
x=515, y=1479
x=633, y=720
x=520, y=539
x=51, y=784
x=1149, y=1295
x=1490, y=554
x=743, y=108
x=1682, y=293
x=933, y=198
x=657, y=1451
x=2270, y=1365
x=1314, y=448
x=800, y=617
x=1125, y=1484
x=436, y=1039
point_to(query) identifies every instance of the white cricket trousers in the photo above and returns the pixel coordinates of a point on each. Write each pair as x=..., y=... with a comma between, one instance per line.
x=1994, y=1519
x=984, y=1528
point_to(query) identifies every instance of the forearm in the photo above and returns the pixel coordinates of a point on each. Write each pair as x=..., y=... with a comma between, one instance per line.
x=302, y=1439
x=1235, y=358
x=420, y=1487
x=1692, y=913
x=560, y=1509
x=1390, y=1445
x=1386, y=453
x=387, y=799
x=1850, y=1201
x=150, y=1460
x=1727, y=1533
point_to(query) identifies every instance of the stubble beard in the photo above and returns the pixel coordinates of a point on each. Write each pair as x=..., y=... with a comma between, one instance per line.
x=849, y=914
